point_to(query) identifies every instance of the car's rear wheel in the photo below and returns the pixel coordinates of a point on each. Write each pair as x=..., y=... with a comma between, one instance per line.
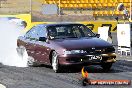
x=106, y=66
x=55, y=62
x=24, y=55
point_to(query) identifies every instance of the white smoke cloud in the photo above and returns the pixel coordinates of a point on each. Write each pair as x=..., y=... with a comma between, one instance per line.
x=9, y=32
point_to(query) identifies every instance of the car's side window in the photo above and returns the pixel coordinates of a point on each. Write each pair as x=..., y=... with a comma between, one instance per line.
x=36, y=32
x=41, y=31
x=28, y=34
x=31, y=33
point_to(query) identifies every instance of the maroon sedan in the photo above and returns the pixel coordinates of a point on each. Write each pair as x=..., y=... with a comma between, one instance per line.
x=65, y=44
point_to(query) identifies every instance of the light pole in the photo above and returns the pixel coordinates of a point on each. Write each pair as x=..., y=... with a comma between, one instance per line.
x=59, y=7
x=30, y=7
x=130, y=10
x=0, y=3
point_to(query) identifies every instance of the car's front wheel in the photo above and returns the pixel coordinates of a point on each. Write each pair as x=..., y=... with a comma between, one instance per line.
x=55, y=62
x=106, y=66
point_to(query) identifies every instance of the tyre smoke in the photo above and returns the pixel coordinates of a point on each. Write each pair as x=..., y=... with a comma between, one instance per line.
x=10, y=30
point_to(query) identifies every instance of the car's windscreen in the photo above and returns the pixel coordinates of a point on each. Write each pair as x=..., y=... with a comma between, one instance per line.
x=69, y=31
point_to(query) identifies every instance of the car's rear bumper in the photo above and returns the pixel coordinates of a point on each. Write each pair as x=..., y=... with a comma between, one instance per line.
x=86, y=60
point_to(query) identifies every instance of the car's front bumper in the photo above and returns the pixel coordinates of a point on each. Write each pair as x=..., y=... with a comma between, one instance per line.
x=86, y=59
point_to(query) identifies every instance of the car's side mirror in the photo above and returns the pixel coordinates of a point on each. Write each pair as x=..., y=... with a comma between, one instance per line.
x=43, y=39
x=97, y=35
